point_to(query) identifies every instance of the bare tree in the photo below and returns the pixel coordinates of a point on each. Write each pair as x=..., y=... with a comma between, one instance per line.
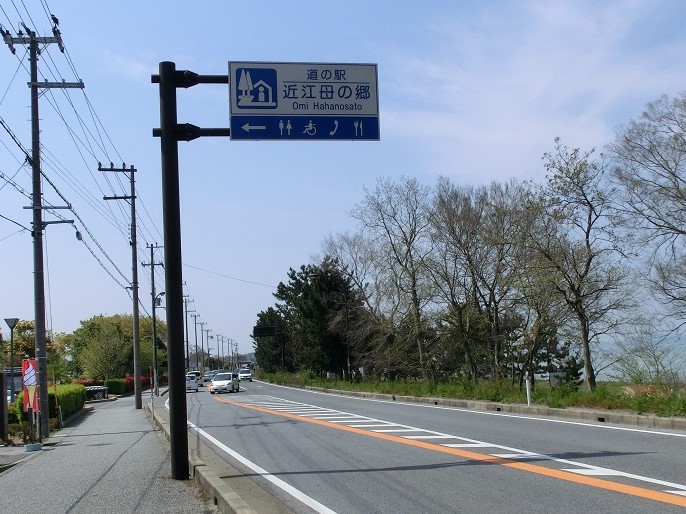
x=455, y=221
x=645, y=356
x=650, y=158
x=395, y=215
x=360, y=259
x=572, y=238
x=477, y=233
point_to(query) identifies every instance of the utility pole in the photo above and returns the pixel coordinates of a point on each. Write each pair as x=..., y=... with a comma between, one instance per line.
x=186, y=301
x=202, y=346
x=223, y=338
x=207, y=338
x=37, y=206
x=152, y=264
x=134, y=279
x=195, y=325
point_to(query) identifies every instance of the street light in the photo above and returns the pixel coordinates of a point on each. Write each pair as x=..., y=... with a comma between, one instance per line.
x=155, y=302
x=11, y=322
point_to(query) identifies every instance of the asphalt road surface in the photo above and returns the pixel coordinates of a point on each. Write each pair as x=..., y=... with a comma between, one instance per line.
x=328, y=453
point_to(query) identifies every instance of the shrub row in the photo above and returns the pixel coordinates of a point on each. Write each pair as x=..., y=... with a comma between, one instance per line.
x=661, y=401
x=71, y=398
x=117, y=386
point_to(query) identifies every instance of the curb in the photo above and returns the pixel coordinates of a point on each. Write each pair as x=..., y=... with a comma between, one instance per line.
x=601, y=416
x=223, y=496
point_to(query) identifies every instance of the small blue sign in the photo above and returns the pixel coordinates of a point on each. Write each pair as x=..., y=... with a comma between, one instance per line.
x=256, y=88
x=363, y=128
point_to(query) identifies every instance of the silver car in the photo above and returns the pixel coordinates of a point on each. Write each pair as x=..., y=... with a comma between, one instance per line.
x=244, y=374
x=224, y=383
x=191, y=382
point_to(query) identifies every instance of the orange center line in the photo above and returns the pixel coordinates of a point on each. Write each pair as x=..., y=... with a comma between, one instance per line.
x=599, y=483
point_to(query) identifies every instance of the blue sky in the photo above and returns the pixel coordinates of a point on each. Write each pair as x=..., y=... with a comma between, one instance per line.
x=472, y=90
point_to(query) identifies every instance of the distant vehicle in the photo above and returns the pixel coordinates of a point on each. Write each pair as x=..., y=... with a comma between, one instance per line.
x=244, y=374
x=198, y=376
x=208, y=375
x=192, y=382
x=224, y=383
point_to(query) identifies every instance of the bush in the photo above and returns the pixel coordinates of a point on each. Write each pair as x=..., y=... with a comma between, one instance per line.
x=12, y=415
x=71, y=398
x=116, y=386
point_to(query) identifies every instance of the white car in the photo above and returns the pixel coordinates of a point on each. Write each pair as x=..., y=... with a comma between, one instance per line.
x=224, y=383
x=191, y=382
x=198, y=376
x=244, y=374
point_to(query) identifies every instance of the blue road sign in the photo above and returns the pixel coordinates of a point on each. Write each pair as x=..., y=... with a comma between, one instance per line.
x=301, y=101
x=305, y=127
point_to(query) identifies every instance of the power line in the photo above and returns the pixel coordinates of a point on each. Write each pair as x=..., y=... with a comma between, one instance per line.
x=15, y=222
x=230, y=277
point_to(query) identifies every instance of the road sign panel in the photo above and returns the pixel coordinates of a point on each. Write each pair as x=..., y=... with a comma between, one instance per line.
x=305, y=127
x=301, y=101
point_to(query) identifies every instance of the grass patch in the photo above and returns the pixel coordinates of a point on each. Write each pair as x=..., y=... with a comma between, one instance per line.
x=653, y=399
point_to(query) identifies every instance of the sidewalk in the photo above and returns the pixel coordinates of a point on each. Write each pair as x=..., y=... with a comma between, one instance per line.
x=110, y=460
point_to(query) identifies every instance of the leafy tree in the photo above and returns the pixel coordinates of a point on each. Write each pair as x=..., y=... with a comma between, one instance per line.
x=90, y=333
x=24, y=340
x=106, y=355
x=307, y=303
x=273, y=352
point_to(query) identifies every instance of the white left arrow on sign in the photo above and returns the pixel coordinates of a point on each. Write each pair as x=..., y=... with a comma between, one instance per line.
x=248, y=127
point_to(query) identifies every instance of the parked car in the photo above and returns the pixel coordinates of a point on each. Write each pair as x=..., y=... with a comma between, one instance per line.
x=192, y=382
x=244, y=374
x=224, y=383
x=198, y=376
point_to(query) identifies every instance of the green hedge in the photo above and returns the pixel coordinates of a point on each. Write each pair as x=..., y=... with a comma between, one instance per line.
x=71, y=398
x=115, y=386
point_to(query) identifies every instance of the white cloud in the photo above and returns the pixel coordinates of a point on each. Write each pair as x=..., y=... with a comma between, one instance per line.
x=494, y=92
x=135, y=68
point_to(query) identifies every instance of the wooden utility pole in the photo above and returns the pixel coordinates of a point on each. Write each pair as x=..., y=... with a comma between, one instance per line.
x=38, y=225
x=134, y=279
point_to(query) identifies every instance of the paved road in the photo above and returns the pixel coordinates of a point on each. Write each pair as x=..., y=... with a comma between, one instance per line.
x=336, y=454
x=109, y=461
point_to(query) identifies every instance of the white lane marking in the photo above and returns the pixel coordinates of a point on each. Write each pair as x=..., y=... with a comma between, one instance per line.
x=427, y=436
x=513, y=453
x=393, y=430
x=487, y=413
x=596, y=472
x=372, y=425
x=468, y=445
x=520, y=456
x=295, y=493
